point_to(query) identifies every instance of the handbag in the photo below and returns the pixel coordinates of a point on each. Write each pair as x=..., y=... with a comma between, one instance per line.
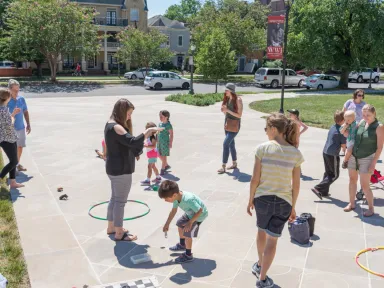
x=299, y=230
x=152, y=154
x=232, y=125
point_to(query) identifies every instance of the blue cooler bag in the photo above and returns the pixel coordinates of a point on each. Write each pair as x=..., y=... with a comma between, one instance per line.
x=299, y=230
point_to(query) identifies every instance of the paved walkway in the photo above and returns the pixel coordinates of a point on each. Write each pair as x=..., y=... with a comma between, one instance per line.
x=64, y=247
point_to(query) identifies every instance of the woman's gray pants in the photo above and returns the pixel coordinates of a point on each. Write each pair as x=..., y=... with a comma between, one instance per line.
x=121, y=185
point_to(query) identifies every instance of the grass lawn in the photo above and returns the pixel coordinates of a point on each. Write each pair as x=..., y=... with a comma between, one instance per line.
x=317, y=110
x=12, y=263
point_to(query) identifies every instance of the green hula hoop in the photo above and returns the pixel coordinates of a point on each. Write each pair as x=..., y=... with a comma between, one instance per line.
x=125, y=219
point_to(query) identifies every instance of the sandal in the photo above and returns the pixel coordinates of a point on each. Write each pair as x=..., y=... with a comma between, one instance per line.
x=221, y=170
x=368, y=213
x=125, y=231
x=349, y=208
x=129, y=239
x=233, y=166
x=21, y=168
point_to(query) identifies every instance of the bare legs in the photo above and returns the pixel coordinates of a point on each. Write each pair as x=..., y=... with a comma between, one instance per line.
x=353, y=176
x=365, y=185
x=266, y=248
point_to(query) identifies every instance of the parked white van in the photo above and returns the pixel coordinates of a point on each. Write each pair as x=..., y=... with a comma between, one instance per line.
x=273, y=77
x=7, y=64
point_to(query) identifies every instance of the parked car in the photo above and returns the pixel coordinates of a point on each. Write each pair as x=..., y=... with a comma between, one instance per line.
x=273, y=77
x=364, y=76
x=7, y=64
x=139, y=73
x=165, y=79
x=321, y=81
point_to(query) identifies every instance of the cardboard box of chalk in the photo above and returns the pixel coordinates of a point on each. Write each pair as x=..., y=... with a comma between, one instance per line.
x=141, y=258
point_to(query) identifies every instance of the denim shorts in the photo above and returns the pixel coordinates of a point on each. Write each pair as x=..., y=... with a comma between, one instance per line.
x=272, y=213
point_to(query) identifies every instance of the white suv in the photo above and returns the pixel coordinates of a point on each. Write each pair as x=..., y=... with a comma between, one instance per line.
x=273, y=77
x=364, y=76
x=164, y=79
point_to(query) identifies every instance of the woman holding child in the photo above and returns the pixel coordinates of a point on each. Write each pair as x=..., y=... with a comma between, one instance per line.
x=123, y=148
x=232, y=108
x=366, y=152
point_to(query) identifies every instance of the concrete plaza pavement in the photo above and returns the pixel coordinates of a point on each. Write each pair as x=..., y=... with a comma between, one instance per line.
x=65, y=247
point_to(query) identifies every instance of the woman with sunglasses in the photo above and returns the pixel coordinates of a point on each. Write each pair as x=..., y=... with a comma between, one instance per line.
x=355, y=104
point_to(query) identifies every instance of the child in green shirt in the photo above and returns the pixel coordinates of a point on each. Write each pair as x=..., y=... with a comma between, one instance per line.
x=188, y=224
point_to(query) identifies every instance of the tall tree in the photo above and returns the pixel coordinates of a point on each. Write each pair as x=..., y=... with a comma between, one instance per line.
x=184, y=11
x=346, y=35
x=146, y=48
x=243, y=23
x=215, y=59
x=51, y=28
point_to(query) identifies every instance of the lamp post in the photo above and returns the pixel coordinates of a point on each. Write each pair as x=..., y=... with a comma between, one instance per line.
x=192, y=64
x=288, y=4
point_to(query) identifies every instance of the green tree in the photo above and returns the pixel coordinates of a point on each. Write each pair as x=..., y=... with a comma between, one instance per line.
x=145, y=48
x=243, y=23
x=183, y=11
x=215, y=59
x=51, y=28
x=345, y=35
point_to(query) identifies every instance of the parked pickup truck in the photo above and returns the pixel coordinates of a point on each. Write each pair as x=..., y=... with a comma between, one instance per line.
x=364, y=76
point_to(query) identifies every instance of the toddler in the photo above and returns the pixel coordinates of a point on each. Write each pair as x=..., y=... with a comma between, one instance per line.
x=188, y=224
x=150, y=144
x=165, y=140
x=349, y=130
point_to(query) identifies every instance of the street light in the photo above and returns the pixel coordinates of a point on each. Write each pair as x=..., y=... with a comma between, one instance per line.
x=288, y=4
x=191, y=63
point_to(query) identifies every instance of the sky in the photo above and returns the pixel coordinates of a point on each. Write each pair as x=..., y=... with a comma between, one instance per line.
x=158, y=7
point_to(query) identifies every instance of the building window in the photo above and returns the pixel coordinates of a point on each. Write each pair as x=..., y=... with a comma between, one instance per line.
x=134, y=14
x=68, y=61
x=180, y=41
x=111, y=17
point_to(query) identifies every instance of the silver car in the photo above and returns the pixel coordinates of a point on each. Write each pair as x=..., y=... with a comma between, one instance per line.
x=138, y=74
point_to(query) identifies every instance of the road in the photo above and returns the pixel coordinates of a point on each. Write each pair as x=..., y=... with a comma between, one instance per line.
x=132, y=89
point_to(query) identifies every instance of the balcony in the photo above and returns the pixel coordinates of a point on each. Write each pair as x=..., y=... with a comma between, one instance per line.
x=108, y=21
x=111, y=46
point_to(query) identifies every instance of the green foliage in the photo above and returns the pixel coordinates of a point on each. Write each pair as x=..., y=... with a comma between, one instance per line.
x=273, y=64
x=51, y=28
x=184, y=11
x=144, y=47
x=215, y=59
x=197, y=99
x=346, y=35
x=244, y=24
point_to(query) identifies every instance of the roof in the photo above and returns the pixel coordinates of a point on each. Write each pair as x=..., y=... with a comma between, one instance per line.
x=161, y=21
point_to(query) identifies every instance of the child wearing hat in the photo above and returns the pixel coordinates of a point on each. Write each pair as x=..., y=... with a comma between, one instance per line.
x=294, y=115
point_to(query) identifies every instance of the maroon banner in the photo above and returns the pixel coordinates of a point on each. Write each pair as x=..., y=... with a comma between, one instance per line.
x=275, y=41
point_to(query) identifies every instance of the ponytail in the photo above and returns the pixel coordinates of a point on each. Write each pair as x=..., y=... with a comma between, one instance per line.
x=291, y=133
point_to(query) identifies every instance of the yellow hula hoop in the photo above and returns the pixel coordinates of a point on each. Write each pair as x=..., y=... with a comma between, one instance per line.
x=365, y=268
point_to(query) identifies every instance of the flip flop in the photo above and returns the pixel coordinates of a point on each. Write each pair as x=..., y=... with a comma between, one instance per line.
x=126, y=231
x=123, y=238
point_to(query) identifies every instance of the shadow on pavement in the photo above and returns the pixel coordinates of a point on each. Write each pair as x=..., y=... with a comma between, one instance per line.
x=334, y=201
x=199, y=268
x=307, y=178
x=240, y=176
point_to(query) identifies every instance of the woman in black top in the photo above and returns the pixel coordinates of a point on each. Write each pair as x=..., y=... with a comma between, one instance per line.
x=122, y=149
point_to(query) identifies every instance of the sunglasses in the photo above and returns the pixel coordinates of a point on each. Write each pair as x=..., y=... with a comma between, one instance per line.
x=360, y=95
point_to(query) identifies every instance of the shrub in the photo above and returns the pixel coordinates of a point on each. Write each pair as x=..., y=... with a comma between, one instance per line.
x=197, y=99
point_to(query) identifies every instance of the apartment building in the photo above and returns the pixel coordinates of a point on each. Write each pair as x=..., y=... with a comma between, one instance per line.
x=113, y=16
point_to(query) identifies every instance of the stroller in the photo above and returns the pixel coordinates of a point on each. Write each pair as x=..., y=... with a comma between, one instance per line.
x=376, y=178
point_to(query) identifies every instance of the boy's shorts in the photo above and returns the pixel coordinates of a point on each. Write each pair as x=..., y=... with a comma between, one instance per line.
x=183, y=220
x=272, y=213
x=152, y=160
x=21, y=138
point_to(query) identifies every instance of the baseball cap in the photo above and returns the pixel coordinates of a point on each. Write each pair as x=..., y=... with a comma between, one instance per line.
x=294, y=111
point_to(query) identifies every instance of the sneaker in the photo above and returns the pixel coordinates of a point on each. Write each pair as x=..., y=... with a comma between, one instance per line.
x=162, y=172
x=183, y=258
x=344, y=165
x=256, y=269
x=177, y=247
x=317, y=193
x=167, y=167
x=268, y=283
x=145, y=182
x=157, y=179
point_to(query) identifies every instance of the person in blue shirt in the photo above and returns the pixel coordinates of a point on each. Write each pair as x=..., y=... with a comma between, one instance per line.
x=18, y=101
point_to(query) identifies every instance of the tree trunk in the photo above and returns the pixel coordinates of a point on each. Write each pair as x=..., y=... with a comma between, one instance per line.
x=344, y=78
x=39, y=69
x=53, y=65
x=217, y=80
